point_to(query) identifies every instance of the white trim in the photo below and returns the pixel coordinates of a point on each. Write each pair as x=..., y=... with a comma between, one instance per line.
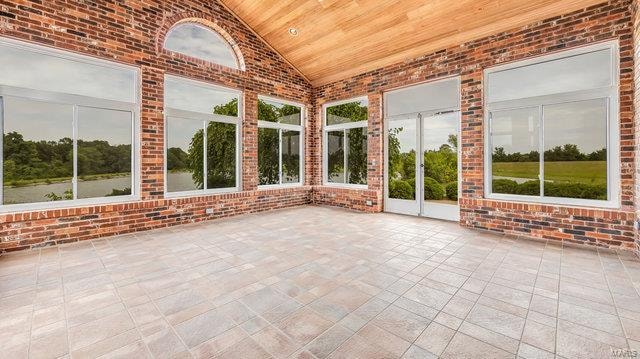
x=280, y=127
x=205, y=118
x=342, y=127
x=610, y=94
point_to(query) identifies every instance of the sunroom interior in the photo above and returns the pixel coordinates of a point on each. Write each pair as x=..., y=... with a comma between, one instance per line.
x=319, y=179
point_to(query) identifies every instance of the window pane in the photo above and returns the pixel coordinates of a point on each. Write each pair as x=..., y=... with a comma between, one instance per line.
x=290, y=156
x=575, y=150
x=335, y=156
x=348, y=112
x=440, y=144
x=185, y=160
x=402, y=159
x=196, y=97
x=38, y=151
x=515, y=151
x=278, y=112
x=582, y=72
x=423, y=98
x=21, y=67
x=104, y=152
x=200, y=42
x=268, y=156
x=357, y=156
x=221, y=155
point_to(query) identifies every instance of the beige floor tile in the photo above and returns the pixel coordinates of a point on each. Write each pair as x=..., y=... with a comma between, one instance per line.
x=464, y=346
x=304, y=325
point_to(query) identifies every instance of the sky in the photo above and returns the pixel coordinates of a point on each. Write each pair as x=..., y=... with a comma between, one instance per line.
x=198, y=41
x=436, y=131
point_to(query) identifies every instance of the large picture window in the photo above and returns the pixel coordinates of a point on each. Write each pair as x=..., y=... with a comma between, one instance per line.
x=280, y=145
x=553, y=129
x=202, y=137
x=68, y=128
x=345, y=142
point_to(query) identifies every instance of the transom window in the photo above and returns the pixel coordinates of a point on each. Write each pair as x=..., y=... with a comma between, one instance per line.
x=553, y=128
x=280, y=142
x=69, y=125
x=345, y=142
x=197, y=163
x=198, y=41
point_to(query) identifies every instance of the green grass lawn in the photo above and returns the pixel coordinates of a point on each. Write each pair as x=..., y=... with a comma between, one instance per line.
x=590, y=172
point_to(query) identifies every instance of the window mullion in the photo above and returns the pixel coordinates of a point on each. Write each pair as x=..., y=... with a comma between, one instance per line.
x=541, y=148
x=204, y=155
x=345, y=153
x=279, y=156
x=74, y=180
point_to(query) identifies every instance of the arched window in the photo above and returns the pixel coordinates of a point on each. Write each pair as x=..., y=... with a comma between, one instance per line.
x=198, y=41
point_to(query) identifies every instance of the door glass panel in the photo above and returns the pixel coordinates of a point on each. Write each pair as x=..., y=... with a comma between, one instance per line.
x=335, y=156
x=357, y=155
x=221, y=155
x=104, y=152
x=440, y=156
x=290, y=156
x=575, y=150
x=402, y=159
x=268, y=156
x=515, y=158
x=185, y=158
x=38, y=151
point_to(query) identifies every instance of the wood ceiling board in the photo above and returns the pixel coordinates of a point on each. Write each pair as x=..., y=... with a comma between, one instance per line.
x=341, y=38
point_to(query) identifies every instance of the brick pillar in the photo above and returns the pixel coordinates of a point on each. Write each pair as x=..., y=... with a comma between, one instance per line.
x=375, y=145
x=152, y=134
x=472, y=140
x=312, y=145
x=635, y=8
x=250, y=142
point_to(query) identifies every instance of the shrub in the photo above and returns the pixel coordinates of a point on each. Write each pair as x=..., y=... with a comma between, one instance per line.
x=452, y=191
x=576, y=190
x=432, y=189
x=529, y=188
x=504, y=186
x=400, y=189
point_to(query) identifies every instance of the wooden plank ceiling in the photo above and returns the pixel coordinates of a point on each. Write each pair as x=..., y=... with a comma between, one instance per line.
x=341, y=38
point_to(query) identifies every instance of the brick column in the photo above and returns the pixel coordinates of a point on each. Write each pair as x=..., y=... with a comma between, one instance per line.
x=635, y=8
x=312, y=146
x=250, y=141
x=375, y=145
x=472, y=140
x=152, y=134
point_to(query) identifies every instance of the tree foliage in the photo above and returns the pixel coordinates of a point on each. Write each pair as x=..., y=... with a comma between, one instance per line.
x=567, y=152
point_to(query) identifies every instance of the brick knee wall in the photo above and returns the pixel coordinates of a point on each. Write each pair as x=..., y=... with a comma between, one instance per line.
x=611, y=20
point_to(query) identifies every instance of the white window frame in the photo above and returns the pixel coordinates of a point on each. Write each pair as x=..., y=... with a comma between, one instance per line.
x=341, y=127
x=285, y=127
x=75, y=101
x=205, y=119
x=610, y=94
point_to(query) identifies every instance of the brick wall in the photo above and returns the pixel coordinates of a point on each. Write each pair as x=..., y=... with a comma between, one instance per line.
x=610, y=20
x=636, y=41
x=132, y=32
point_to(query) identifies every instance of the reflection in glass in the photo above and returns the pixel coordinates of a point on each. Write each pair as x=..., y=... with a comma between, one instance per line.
x=357, y=155
x=402, y=159
x=37, y=151
x=268, y=156
x=184, y=154
x=200, y=42
x=575, y=150
x=440, y=146
x=271, y=111
x=199, y=97
x=515, y=153
x=348, y=112
x=290, y=156
x=221, y=155
x=104, y=152
x=335, y=156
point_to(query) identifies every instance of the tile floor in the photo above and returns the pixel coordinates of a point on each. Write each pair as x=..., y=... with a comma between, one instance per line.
x=314, y=282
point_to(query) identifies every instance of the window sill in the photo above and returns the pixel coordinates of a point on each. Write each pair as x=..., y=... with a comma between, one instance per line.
x=345, y=185
x=48, y=206
x=279, y=186
x=200, y=193
x=555, y=201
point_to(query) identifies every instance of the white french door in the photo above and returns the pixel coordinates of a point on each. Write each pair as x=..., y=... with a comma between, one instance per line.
x=423, y=165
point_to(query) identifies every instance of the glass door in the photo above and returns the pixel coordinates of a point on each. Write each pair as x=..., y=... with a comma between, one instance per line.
x=402, y=167
x=440, y=165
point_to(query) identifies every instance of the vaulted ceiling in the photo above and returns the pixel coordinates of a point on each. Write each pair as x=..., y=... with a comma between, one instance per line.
x=341, y=38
